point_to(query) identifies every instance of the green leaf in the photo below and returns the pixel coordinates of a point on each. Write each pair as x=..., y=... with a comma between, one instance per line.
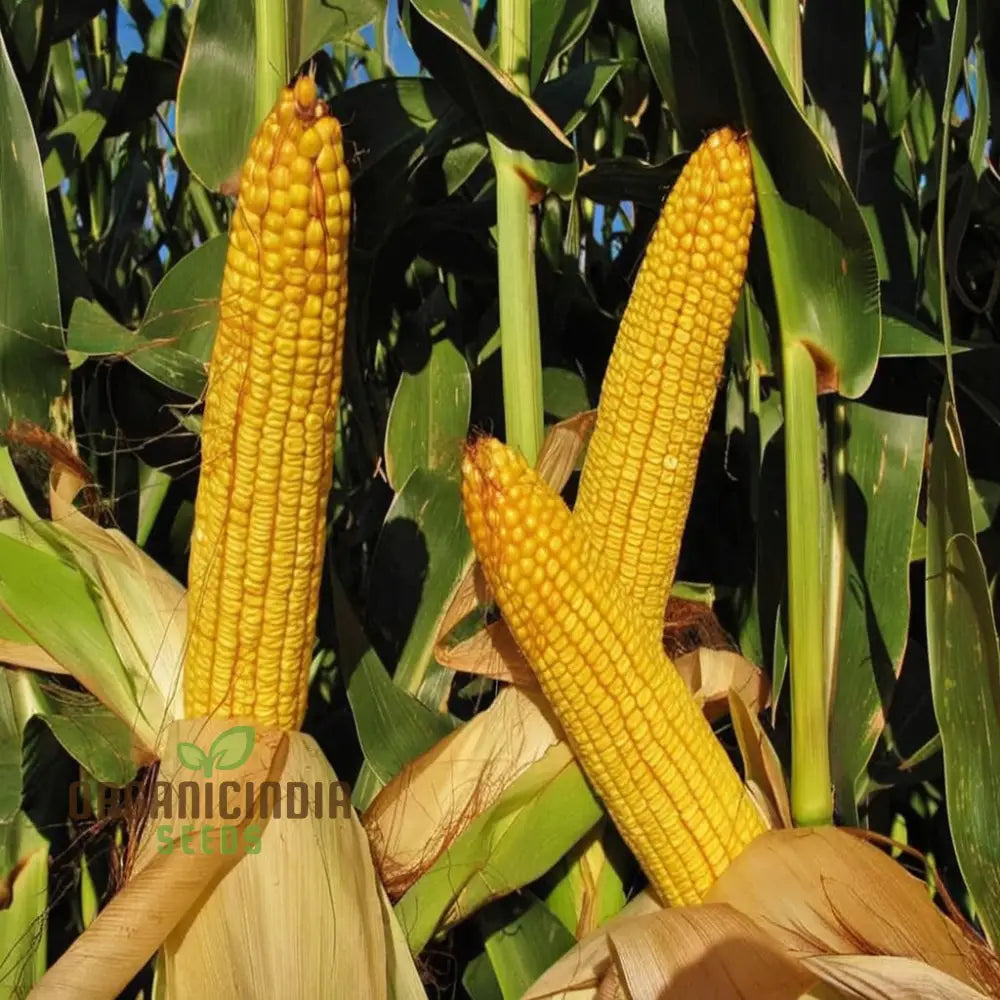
x=429, y=416
x=393, y=727
x=629, y=179
x=536, y=821
x=823, y=264
x=183, y=314
x=385, y=117
x=192, y=756
x=564, y=393
x=569, y=97
x=423, y=552
x=885, y=456
x=92, y=735
x=589, y=888
x=965, y=669
x=33, y=369
x=148, y=84
x=556, y=25
x=651, y=19
x=51, y=601
x=174, y=341
x=315, y=23
x=23, y=924
x=906, y=339
x=215, y=97
x=67, y=145
x=981, y=118
x=444, y=41
x=521, y=949
x=480, y=981
x=232, y=748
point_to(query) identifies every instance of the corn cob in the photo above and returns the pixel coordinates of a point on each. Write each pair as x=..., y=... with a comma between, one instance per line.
x=269, y=422
x=661, y=380
x=633, y=725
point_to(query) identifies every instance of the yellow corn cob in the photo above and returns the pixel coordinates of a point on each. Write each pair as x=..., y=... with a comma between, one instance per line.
x=635, y=728
x=269, y=422
x=660, y=385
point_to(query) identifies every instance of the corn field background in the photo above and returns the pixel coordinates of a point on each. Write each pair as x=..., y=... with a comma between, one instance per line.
x=840, y=558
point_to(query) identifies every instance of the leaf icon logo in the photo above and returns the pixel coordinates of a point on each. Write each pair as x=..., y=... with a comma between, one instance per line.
x=229, y=750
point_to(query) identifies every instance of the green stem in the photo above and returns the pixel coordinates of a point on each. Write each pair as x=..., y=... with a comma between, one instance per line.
x=786, y=37
x=812, y=793
x=205, y=210
x=270, y=19
x=520, y=339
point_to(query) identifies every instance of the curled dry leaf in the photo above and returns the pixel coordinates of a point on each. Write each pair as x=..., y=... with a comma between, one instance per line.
x=29, y=656
x=824, y=890
x=712, y=674
x=313, y=862
x=582, y=970
x=425, y=808
x=697, y=953
x=878, y=976
x=798, y=910
x=763, y=773
x=491, y=652
x=562, y=448
x=207, y=899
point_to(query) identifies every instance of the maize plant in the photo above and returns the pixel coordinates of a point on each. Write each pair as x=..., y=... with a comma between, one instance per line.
x=311, y=314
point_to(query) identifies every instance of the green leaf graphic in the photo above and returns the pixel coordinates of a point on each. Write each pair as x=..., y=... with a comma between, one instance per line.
x=232, y=748
x=192, y=756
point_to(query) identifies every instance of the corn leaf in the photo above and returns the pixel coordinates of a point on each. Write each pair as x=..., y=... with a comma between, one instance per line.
x=885, y=463
x=33, y=368
x=215, y=96
x=540, y=817
x=522, y=948
x=965, y=668
x=429, y=416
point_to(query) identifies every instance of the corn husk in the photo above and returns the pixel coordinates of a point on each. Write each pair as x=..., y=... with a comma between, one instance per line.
x=303, y=913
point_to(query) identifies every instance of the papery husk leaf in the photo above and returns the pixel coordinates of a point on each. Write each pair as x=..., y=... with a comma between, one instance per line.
x=579, y=973
x=29, y=656
x=825, y=890
x=563, y=446
x=302, y=918
x=432, y=801
x=403, y=978
x=162, y=888
x=712, y=674
x=491, y=652
x=703, y=952
x=875, y=977
x=763, y=773
x=144, y=607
